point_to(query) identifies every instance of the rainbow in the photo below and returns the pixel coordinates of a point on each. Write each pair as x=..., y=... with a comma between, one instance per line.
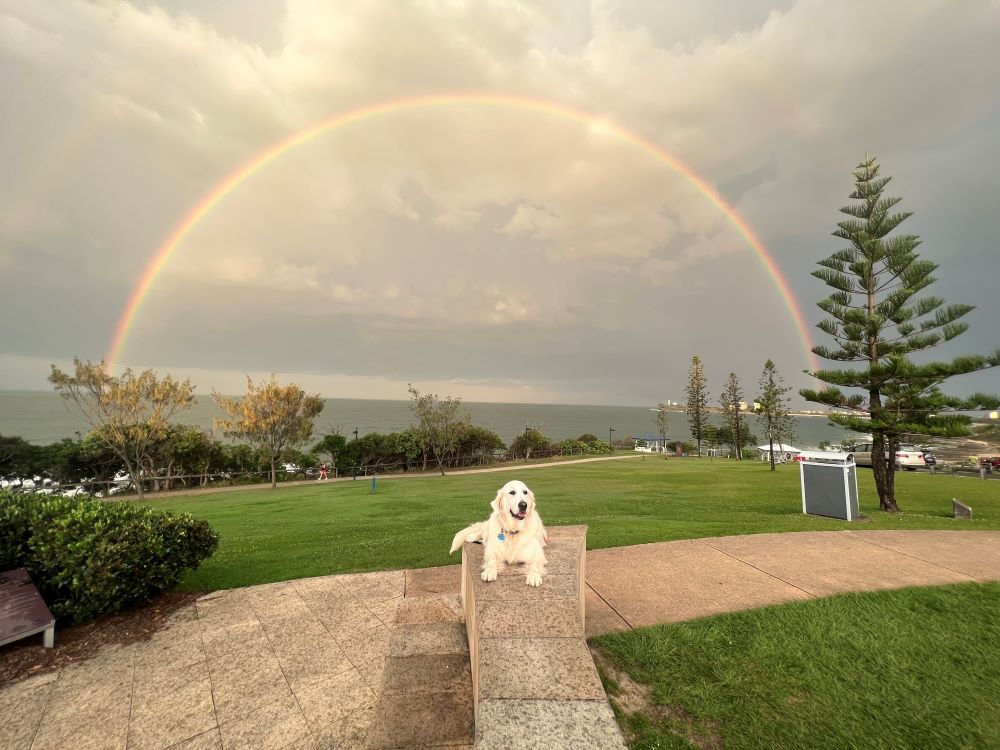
x=231, y=182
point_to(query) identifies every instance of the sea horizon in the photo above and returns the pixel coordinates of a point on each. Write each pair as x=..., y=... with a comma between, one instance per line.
x=43, y=417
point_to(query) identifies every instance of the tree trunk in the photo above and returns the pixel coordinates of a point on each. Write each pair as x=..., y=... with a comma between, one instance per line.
x=274, y=475
x=770, y=443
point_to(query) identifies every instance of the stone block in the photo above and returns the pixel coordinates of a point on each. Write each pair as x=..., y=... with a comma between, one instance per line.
x=432, y=638
x=547, y=725
x=960, y=509
x=544, y=618
x=409, y=723
x=428, y=581
x=429, y=673
x=537, y=669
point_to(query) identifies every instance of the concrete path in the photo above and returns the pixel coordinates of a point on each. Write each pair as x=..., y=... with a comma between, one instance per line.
x=647, y=584
x=300, y=664
x=185, y=492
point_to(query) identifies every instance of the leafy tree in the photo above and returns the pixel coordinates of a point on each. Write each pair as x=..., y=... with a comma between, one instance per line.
x=18, y=457
x=732, y=396
x=661, y=424
x=128, y=413
x=271, y=417
x=531, y=440
x=724, y=435
x=697, y=401
x=333, y=445
x=437, y=427
x=772, y=409
x=477, y=444
x=877, y=321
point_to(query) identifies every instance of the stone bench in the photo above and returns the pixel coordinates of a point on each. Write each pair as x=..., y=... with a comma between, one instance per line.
x=534, y=683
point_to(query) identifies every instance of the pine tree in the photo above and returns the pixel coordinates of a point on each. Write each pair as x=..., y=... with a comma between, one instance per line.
x=697, y=401
x=877, y=321
x=772, y=407
x=661, y=425
x=732, y=396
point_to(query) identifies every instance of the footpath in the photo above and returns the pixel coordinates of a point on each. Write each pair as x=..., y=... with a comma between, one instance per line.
x=330, y=662
x=167, y=494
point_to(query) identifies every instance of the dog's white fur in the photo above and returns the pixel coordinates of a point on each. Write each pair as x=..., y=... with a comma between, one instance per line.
x=523, y=547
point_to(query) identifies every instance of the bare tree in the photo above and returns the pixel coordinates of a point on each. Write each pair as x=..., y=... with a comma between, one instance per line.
x=661, y=426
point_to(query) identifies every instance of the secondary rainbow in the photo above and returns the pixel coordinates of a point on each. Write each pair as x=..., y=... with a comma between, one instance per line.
x=227, y=185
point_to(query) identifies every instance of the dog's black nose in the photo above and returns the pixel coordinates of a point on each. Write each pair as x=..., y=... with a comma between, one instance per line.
x=522, y=506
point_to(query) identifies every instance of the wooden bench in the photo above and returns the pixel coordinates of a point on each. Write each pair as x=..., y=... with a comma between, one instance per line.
x=22, y=611
x=534, y=683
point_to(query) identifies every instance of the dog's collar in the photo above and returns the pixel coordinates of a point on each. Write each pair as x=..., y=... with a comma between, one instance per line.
x=504, y=533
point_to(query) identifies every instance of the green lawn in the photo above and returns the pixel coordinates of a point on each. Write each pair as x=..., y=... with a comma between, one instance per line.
x=913, y=668
x=322, y=528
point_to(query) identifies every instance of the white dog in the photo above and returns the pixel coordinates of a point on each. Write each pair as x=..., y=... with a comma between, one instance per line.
x=512, y=534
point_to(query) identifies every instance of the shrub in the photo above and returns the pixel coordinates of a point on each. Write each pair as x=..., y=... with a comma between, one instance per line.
x=89, y=557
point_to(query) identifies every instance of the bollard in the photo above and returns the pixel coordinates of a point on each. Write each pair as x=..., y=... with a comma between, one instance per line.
x=373, y=485
x=982, y=472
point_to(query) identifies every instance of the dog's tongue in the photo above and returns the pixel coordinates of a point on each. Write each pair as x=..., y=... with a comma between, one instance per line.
x=521, y=516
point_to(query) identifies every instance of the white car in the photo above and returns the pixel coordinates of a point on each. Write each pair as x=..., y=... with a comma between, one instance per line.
x=909, y=457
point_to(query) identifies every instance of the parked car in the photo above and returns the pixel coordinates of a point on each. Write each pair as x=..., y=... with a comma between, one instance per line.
x=990, y=462
x=862, y=454
x=909, y=457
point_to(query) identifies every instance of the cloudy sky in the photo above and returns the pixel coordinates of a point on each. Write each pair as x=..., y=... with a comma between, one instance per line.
x=497, y=253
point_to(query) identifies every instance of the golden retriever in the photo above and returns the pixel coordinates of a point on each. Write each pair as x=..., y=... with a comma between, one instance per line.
x=512, y=534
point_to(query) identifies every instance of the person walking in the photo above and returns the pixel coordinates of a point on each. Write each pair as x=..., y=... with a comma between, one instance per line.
x=322, y=472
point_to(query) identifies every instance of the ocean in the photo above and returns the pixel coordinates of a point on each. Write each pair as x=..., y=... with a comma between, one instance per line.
x=42, y=417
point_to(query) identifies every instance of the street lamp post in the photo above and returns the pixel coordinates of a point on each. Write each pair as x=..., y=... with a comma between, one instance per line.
x=611, y=440
x=525, y=442
x=355, y=460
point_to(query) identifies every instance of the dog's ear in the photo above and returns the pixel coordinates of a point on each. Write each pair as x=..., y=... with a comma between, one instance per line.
x=496, y=501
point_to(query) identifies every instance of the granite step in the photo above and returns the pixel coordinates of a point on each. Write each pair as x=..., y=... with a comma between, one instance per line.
x=425, y=699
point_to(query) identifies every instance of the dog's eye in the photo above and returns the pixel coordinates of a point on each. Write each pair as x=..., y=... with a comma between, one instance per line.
x=513, y=492
x=525, y=492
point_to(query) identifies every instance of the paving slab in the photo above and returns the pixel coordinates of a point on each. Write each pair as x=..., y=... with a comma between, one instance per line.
x=824, y=564
x=673, y=581
x=271, y=727
x=547, y=725
x=601, y=618
x=974, y=553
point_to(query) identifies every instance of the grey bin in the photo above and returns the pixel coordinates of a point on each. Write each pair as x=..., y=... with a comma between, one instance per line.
x=829, y=484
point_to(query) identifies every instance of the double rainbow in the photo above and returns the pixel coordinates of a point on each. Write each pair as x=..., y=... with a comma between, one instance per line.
x=227, y=185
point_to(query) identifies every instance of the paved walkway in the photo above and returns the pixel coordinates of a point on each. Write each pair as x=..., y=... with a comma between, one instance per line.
x=432, y=474
x=299, y=664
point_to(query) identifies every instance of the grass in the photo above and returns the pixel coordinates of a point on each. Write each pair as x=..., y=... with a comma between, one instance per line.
x=323, y=528
x=909, y=668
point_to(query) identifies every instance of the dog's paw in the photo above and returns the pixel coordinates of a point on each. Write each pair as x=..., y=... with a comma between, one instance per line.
x=489, y=575
x=534, y=578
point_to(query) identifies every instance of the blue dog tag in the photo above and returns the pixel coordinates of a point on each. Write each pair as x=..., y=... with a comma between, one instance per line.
x=500, y=536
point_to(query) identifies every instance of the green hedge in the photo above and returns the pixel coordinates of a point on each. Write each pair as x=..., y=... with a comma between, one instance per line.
x=90, y=557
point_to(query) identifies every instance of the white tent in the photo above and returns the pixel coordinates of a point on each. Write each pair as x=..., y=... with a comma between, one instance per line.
x=782, y=452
